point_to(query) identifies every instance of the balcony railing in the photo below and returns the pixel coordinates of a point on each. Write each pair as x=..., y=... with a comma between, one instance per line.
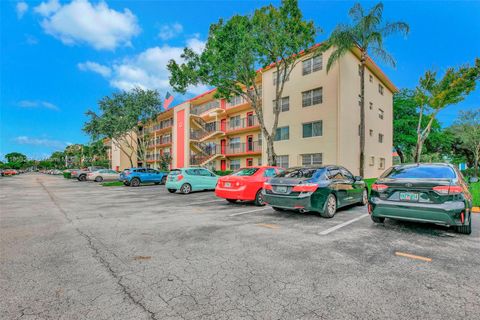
x=207, y=129
x=237, y=124
x=202, y=108
x=239, y=148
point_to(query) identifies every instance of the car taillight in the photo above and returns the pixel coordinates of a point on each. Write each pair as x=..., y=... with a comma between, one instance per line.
x=444, y=190
x=379, y=187
x=74, y=172
x=267, y=186
x=179, y=177
x=307, y=187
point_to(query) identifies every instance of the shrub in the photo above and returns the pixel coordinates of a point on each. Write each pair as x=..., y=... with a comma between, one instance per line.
x=470, y=172
x=67, y=175
x=223, y=173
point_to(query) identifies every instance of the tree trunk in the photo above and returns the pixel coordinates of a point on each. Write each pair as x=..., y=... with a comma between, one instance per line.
x=418, y=149
x=400, y=154
x=362, y=115
x=272, y=157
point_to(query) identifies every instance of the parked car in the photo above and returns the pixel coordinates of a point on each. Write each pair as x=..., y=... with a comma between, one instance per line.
x=245, y=184
x=103, y=175
x=136, y=176
x=321, y=189
x=10, y=172
x=187, y=180
x=433, y=193
x=81, y=174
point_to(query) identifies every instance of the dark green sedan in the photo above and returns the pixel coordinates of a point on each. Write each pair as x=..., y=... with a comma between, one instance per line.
x=432, y=193
x=320, y=189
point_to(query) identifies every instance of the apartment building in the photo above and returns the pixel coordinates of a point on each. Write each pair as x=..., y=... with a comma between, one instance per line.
x=318, y=124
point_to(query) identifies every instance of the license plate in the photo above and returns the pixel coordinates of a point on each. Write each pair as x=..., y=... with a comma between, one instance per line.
x=281, y=189
x=228, y=184
x=408, y=196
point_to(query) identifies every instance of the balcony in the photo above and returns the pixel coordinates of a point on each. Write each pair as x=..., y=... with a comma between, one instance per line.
x=208, y=130
x=234, y=149
x=204, y=107
x=244, y=124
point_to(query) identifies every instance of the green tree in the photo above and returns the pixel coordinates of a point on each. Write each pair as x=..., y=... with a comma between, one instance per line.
x=236, y=48
x=467, y=129
x=120, y=120
x=15, y=157
x=367, y=34
x=433, y=95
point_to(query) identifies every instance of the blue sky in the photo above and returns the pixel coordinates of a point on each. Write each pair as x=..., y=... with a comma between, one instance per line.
x=56, y=63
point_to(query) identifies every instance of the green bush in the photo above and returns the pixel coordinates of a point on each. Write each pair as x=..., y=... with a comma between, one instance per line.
x=369, y=182
x=470, y=172
x=67, y=175
x=223, y=173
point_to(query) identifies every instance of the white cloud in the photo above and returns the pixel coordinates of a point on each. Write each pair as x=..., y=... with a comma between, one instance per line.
x=148, y=70
x=38, y=104
x=169, y=31
x=82, y=22
x=47, y=8
x=95, y=67
x=41, y=142
x=21, y=8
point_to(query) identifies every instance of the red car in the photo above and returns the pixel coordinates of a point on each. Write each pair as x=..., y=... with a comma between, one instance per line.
x=10, y=172
x=245, y=184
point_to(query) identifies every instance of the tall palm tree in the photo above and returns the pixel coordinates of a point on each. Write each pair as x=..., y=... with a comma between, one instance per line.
x=366, y=33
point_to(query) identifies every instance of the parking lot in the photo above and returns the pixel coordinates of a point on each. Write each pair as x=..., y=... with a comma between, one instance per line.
x=77, y=250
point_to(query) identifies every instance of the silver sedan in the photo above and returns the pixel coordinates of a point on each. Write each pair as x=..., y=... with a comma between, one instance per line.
x=103, y=175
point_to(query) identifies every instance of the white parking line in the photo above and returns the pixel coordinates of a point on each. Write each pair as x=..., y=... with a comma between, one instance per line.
x=341, y=225
x=245, y=212
x=195, y=203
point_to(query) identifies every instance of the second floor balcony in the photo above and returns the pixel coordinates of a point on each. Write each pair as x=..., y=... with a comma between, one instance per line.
x=204, y=107
x=237, y=123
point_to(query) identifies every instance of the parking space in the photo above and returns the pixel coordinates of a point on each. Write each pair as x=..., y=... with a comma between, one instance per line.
x=80, y=250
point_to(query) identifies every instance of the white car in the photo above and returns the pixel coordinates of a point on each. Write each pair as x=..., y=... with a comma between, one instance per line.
x=103, y=175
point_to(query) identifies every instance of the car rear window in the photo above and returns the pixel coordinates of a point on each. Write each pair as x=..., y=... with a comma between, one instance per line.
x=420, y=172
x=301, y=173
x=175, y=172
x=245, y=172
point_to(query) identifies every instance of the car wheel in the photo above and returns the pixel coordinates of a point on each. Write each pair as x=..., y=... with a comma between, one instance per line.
x=330, y=207
x=231, y=200
x=164, y=180
x=259, y=200
x=364, y=201
x=465, y=229
x=83, y=177
x=278, y=209
x=98, y=179
x=186, y=188
x=378, y=219
x=172, y=190
x=135, y=182
x=157, y=183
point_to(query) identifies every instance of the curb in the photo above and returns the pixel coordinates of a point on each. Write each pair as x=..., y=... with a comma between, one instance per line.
x=476, y=209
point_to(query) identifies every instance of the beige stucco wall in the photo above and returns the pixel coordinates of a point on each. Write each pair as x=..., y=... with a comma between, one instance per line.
x=297, y=115
x=184, y=106
x=120, y=160
x=349, y=120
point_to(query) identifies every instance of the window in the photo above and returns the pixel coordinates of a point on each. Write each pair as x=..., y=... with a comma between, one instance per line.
x=205, y=173
x=371, y=105
x=425, y=171
x=284, y=104
x=334, y=174
x=260, y=161
x=380, y=113
x=380, y=89
x=313, y=64
x=311, y=159
x=371, y=163
x=312, y=97
x=249, y=162
x=281, y=75
x=347, y=174
x=235, y=122
x=234, y=142
x=235, y=100
x=269, y=172
x=282, y=161
x=282, y=133
x=380, y=138
x=312, y=129
x=235, y=164
x=370, y=78
x=371, y=133
x=382, y=163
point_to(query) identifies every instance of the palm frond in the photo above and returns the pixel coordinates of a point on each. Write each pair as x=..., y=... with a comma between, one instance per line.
x=383, y=55
x=356, y=12
x=395, y=27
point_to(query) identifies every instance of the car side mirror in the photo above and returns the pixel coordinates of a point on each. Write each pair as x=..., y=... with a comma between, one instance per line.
x=358, y=178
x=473, y=179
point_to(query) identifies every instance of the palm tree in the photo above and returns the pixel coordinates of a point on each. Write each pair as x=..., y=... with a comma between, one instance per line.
x=366, y=33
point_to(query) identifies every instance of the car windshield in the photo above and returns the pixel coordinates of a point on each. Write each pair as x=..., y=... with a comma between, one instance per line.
x=305, y=173
x=175, y=172
x=420, y=172
x=245, y=172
